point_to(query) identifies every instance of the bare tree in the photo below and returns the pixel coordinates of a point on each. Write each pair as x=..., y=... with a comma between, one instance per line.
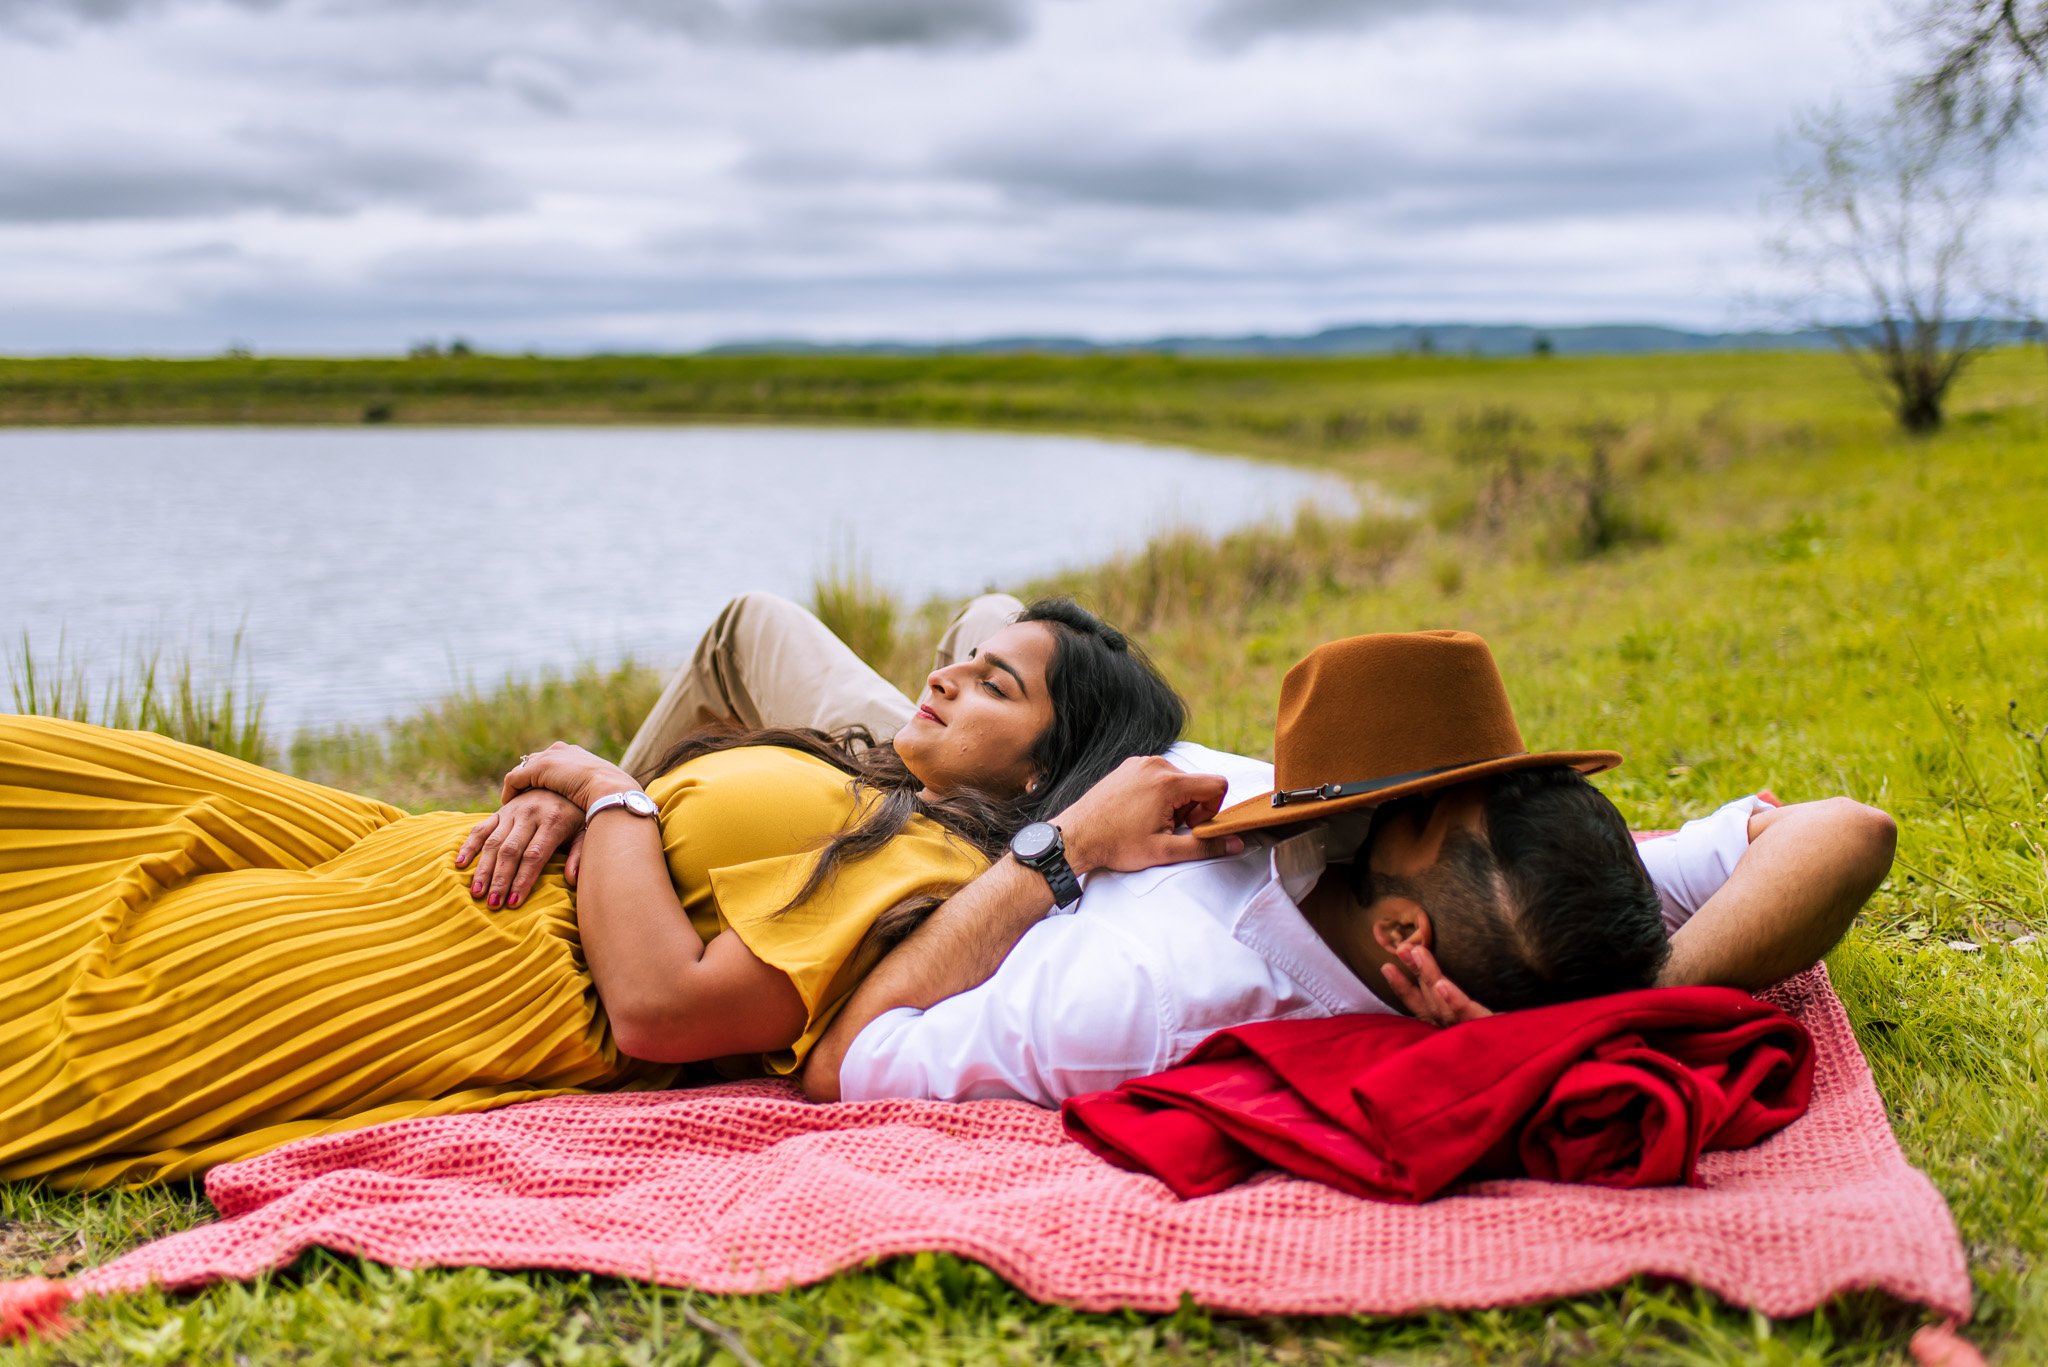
x=1987, y=65
x=1988, y=59
x=1888, y=221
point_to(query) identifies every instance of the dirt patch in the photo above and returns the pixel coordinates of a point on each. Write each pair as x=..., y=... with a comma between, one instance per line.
x=39, y=1250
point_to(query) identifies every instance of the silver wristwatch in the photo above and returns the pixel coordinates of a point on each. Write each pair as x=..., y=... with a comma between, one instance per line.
x=633, y=800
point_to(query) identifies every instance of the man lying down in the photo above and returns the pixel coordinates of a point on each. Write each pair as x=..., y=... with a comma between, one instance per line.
x=1413, y=857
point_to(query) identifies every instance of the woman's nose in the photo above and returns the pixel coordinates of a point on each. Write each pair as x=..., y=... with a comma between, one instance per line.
x=938, y=683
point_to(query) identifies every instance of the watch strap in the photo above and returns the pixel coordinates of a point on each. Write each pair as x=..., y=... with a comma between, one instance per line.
x=1052, y=866
x=622, y=799
x=1059, y=876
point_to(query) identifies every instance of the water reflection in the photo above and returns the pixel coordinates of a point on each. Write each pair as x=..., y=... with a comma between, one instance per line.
x=372, y=570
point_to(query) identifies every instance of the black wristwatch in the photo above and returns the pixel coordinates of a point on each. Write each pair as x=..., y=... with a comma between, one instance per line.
x=1039, y=846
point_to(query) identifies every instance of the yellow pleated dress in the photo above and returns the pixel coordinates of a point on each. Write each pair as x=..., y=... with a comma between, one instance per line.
x=201, y=958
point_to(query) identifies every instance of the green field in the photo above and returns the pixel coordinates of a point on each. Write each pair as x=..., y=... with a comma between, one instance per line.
x=1728, y=567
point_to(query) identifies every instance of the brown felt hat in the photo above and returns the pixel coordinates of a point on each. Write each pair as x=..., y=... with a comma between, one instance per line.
x=1369, y=719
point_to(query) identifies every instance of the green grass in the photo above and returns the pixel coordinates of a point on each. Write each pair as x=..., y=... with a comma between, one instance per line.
x=453, y=753
x=1796, y=599
x=199, y=704
x=846, y=598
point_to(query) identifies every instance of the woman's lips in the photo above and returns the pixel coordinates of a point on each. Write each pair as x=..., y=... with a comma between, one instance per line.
x=929, y=715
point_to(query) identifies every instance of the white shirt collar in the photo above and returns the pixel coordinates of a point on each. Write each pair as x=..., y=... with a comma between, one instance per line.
x=1272, y=924
x=1300, y=859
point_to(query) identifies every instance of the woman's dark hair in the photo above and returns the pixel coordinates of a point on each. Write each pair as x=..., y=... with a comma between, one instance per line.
x=1108, y=704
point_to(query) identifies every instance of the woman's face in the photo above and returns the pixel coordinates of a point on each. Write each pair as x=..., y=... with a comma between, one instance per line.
x=978, y=719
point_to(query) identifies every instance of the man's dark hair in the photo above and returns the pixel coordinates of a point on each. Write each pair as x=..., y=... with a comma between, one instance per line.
x=1552, y=904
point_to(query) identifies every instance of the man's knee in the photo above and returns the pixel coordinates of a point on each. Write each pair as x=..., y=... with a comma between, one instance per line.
x=754, y=611
x=980, y=619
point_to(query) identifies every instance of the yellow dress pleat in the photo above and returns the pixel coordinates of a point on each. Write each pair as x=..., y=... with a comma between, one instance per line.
x=201, y=959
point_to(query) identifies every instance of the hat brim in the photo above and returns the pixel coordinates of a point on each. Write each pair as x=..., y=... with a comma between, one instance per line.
x=1259, y=812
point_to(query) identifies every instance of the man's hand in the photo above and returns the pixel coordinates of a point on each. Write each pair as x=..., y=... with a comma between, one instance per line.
x=1137, y=818
x=514, y=843
x=1428, y=994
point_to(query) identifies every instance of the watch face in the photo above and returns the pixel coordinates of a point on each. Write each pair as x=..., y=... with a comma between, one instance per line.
x=639, y=804
x=1035, y=840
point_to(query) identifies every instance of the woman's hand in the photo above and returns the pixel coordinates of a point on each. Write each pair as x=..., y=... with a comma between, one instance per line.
x=569, y=770
x=514, y=843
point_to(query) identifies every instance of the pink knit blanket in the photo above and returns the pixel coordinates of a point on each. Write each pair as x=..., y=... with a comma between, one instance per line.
x=748, y=1187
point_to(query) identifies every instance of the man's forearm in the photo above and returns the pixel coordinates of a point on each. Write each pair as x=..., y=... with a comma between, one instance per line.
x=1136, y=818
x=1808, y=871
x=957, y=948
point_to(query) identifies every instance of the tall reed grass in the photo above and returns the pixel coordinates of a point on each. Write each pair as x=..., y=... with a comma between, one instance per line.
x=216, y=706
x=847, y=598
x=1184, y=576
x=454, y=752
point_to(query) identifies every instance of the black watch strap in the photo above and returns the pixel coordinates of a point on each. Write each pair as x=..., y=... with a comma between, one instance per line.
x=1050, y=863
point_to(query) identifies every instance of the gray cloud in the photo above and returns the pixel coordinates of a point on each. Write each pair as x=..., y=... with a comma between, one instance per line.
x=535, y=81
x=37, y=15
x=387, y=75
x=1507, y=191
x=1235, y=22
x=829, y=25
x=809, y=25
x=290, y=171
x=839, y=25
x=1194, y=176
x=1620, y=155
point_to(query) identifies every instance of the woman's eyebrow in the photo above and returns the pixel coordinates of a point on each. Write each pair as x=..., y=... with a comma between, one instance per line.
x=1000, y=663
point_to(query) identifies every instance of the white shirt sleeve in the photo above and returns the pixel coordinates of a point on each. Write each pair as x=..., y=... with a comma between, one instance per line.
x=1690, y=865
x=1052, y=1023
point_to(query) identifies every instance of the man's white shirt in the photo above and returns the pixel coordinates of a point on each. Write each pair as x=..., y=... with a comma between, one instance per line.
x=1148, y=965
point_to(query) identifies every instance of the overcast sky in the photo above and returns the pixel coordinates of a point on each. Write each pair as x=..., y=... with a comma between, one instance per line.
x=353, y=175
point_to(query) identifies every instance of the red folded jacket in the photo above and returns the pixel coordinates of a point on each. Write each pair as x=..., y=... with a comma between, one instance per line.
x=1620, y=1091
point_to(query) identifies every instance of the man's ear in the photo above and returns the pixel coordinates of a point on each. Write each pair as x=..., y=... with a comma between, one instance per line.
x=1398, y=921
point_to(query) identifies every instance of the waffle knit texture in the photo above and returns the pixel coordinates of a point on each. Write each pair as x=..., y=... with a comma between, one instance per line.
x=749, y=1188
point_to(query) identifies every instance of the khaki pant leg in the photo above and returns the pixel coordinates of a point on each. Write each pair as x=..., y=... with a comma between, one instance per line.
x=982, y=618
x=767, y=662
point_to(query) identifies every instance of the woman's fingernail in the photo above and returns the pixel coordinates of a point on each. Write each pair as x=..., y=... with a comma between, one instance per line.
x=513, y=900
x=496, y=901
x=1235, y=844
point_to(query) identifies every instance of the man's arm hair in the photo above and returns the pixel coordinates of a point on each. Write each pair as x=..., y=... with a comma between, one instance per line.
x=1808, y=870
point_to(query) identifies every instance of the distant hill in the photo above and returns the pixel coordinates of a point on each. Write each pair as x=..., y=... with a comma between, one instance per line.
x=1357, y=339
x=1377, y=339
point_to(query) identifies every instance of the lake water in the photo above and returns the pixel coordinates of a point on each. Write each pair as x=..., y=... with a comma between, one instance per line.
x=372, y=570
